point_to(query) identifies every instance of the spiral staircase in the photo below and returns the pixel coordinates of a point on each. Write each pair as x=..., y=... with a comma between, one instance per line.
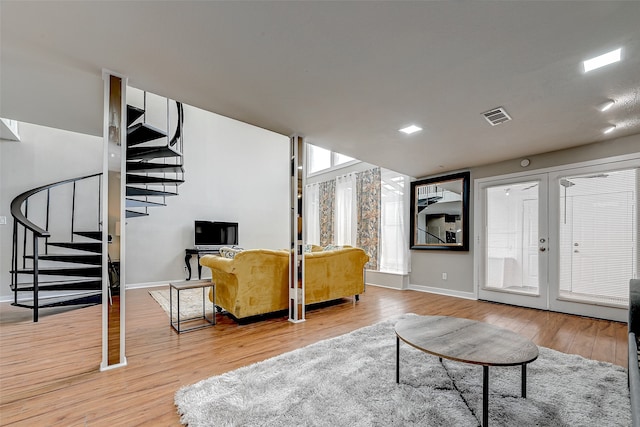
x=56, y=257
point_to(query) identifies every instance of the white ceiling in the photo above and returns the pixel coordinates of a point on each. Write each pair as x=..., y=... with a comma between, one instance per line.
x=346, y=75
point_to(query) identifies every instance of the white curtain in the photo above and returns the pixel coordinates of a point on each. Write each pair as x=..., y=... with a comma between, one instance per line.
x=346, y=211
x=394, y=253
x=312, y=213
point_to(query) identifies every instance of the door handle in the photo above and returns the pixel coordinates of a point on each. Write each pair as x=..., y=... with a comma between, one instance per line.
x=542, y=249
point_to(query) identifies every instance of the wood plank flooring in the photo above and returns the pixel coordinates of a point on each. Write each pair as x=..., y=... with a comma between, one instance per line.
x=49, y=371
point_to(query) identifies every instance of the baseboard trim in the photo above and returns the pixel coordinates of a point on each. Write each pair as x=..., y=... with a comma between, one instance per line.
x=441, y=291
x=386, y=279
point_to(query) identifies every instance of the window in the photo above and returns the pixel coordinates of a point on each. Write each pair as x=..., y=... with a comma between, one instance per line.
x=320, y=159
x=394, y=255
x=339, y=221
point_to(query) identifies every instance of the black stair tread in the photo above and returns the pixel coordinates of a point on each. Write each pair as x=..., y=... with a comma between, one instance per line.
x=77, y=259
x=153, y=180
x=135, y=191
x=95, y=235
x=64, y=271
x=133, y=114
x=62, y=285
x=87, y=298
x=134, y=214
x=133, y=203
x=134, y=167
x=143, y=132
x=148, y=153
x=81, y=246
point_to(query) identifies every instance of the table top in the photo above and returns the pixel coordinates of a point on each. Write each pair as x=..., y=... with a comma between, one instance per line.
x=191, y=284
x=466, y=341
x=195, y=251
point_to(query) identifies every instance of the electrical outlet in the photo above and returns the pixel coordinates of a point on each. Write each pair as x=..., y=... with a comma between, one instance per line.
x=444, y=276
x=3, y=220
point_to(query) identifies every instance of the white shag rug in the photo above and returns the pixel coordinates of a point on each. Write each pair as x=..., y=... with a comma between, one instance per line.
x=350, y=381
x=190, y=302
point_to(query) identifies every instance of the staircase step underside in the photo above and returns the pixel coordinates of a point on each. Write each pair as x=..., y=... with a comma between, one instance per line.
x=81, y=246
x=92, y=298
x=148, y=153
x=95, y=235
x=133, y=203
x=142, y=132
x=152, y=180
x=76, y=259
x=134, y=167
x=135, y=191
x=134, y=214
x=61, y=271
x=133, y=114
x=67, y=285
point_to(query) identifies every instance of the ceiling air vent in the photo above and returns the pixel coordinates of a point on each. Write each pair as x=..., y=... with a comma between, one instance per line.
x=496, y=116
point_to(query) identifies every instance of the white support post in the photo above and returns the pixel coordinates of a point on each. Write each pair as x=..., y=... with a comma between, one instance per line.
x=114, y=135
x=296, y=262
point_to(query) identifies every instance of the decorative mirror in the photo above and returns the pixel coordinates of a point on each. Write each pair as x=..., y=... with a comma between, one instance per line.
x=440, y=213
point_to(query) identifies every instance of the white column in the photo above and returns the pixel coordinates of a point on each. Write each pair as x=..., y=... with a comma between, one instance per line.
x=296, y=262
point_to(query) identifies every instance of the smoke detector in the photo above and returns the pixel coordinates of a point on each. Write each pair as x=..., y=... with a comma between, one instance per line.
x=496, y=116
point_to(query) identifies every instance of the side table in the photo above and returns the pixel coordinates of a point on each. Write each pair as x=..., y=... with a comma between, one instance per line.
x=184, y=285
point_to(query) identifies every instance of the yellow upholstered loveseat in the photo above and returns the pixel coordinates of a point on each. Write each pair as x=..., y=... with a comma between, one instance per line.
x=256, y=281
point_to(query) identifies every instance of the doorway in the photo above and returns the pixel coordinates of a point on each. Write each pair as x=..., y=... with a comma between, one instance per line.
x=564, y=240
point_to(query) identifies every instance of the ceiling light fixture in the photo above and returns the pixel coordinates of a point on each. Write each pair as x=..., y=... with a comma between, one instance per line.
x=606, y=105
x=410, y=129
x=609, y=129
x=602, y=60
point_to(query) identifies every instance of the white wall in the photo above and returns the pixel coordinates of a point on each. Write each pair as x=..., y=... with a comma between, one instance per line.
x=233, y=172
x=43, y=156
x=427, y=266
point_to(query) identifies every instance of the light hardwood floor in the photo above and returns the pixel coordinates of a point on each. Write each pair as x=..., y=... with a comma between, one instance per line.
x=49, y=371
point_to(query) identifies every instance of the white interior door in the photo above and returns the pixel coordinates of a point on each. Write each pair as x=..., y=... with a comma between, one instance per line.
x=512, y=242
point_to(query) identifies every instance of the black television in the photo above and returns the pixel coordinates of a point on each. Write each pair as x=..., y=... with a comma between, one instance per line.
x=215, y=234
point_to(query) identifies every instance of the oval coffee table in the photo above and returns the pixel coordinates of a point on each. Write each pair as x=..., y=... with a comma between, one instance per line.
x=467, y=341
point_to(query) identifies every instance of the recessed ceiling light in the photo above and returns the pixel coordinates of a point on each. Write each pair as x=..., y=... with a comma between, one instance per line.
x=606, y=105
x=602, y=60
x=410, y=129
x=609, y=129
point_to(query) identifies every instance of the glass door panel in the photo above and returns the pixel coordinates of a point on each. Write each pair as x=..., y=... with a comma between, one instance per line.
x=597, y=238
x=513, y=242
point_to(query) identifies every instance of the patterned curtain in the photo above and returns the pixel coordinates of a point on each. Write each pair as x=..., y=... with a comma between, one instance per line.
x=368, y=196
x=327, y=198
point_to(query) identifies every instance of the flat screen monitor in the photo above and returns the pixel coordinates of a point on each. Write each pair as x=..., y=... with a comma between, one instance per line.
x=215, y=234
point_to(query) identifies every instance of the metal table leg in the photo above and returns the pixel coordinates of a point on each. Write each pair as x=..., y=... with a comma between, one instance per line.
x=485, y=396
x=397, y=360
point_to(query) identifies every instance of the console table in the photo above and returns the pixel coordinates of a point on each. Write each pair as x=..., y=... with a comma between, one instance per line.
x=189, y=252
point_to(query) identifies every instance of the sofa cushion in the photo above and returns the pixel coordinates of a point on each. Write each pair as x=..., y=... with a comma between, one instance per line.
x=227, y=252
x=331, y=247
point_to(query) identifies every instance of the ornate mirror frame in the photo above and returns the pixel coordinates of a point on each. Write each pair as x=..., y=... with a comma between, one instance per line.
x=440, y=213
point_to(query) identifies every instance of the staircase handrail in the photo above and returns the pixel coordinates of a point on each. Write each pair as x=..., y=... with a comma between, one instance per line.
x=16, y=204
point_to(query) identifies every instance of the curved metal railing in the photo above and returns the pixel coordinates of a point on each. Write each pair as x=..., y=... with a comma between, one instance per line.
x=21, y=218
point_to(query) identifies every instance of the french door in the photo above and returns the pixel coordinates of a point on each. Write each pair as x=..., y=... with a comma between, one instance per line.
x=514, y=240
x=565, y=240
